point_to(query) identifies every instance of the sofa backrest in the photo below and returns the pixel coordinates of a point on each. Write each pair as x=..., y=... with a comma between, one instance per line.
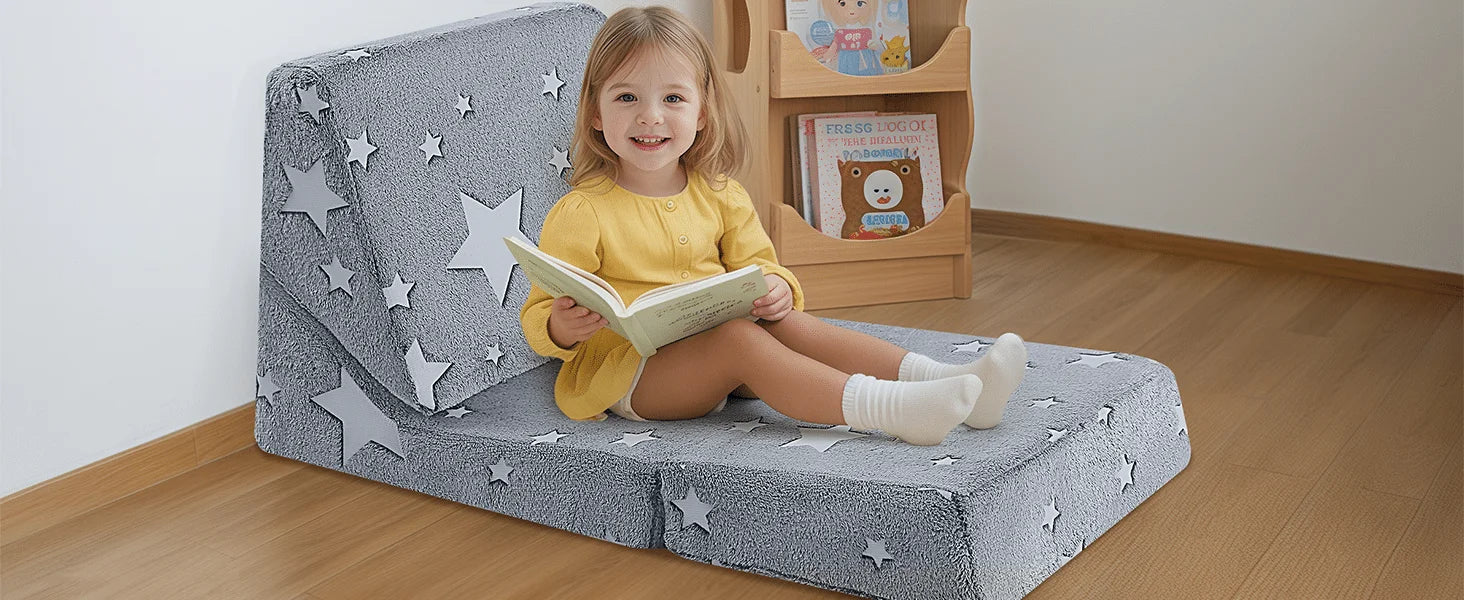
x=411, y=157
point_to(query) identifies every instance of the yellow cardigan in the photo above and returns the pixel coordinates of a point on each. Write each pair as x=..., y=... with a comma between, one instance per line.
x=638, y=243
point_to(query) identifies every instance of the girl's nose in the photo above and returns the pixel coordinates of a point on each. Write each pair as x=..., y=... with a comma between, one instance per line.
x=650, y=117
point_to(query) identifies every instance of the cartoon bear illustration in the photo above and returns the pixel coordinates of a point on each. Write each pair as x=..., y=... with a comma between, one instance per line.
x=881, y=198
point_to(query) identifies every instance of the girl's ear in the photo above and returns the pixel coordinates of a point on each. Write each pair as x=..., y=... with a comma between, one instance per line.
x=596, y=124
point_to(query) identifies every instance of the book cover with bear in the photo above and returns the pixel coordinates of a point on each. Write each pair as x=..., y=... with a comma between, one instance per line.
x=876, y=176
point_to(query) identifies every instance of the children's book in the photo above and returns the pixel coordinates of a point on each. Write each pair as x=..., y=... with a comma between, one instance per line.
x=801, y=134
x=876, y=176
x=658, y=317
x=855, y=38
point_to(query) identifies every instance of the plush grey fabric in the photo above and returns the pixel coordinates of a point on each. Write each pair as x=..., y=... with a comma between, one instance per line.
x=870, y=516
x=405, y=216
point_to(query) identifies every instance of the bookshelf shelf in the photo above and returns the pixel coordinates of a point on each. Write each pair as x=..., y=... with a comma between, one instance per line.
x=774, y=81
x=795, y=74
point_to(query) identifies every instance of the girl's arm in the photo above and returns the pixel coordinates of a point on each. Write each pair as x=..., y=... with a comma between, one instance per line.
x=571, y=233
x=744, y=242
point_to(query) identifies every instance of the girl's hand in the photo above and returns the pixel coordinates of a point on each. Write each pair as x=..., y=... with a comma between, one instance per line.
x=570, y=324
x=777, y=303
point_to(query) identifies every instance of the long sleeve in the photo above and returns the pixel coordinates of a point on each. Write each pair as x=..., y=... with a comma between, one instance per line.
x=571, y=233
x=744, y=242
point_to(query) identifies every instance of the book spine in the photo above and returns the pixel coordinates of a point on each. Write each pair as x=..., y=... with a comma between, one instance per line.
x=637, y=336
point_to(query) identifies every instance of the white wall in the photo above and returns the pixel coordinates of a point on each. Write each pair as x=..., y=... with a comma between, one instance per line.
x=1326, y=126
x=130, y=161
x=130, y=257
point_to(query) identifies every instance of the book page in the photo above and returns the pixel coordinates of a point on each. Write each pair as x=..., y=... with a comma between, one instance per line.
x=551, y=275
x=692, y=309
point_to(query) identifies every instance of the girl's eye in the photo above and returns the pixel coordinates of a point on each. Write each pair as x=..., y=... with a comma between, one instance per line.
x=678, y=98
x=622, y=96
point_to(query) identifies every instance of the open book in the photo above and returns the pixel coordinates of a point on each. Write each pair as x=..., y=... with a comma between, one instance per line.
x=658, y=317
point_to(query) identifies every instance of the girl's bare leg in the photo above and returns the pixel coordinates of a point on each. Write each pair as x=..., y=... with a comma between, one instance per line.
x=843, y=349
x=688, y=378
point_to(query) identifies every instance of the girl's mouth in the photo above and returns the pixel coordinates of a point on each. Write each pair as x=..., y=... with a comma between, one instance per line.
x=649, y=143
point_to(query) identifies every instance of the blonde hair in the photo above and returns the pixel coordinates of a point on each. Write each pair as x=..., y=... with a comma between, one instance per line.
x=719, y=148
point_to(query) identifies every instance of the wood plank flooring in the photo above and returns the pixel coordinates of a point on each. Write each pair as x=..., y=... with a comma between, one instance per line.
x=1324, y=415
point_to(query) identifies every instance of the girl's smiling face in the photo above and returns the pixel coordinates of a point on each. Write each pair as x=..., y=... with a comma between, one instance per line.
x=650, y=111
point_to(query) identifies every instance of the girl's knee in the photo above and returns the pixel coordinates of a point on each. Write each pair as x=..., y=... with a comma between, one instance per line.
x=741, y=331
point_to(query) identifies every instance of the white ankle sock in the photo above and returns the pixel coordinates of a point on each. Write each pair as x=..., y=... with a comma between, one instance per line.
x=919, y=412
x=1001, y=369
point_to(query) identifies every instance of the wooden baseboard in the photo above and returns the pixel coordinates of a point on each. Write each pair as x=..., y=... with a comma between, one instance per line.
x=1041, y=227
x=60, y=498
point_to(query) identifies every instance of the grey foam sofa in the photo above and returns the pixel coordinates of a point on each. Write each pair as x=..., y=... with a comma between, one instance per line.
x=384, y=353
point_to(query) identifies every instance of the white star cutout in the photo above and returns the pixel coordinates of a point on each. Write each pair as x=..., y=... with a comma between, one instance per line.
x=356, y=55
x=693, y=510
x=944, y=460
x=431, y=146
x=1097, y=360
x=494, y=354
x=457, y=413
x=1103, y=414
x=464, y=105
x=875, y=549
x=500, y=471
x=548, y=438
x=361, y=149
x=552, y=83
x=631, y=439
x=310, y=102
x=1050, y=515
x=396, y=295
x=310, y=195
x=264, y=387
x=340, y=276
x=484, y=247
x=942, y=492
x=1125, y=473
x=973, y=347
x=1179, y=416
x=1045, y=402
x=361, y=421
x=560, y=161
x=1030, y=365
x=1056, y=434
x=747, y=426
x=424, y=374
x=822, y=439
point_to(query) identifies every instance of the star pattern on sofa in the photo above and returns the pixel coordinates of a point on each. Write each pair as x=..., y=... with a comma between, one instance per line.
x=500, y=471
x=875, y=550
x=822, y=439
x=484, y=247
x=264, y=387
x=552, y=83
x=1096, y=360
x=397, y=293
x=361, y=421
x=693, y=511
x=339, y=276
x=360, y=149
x=310, y=102
x=310, y=195
x=424, y=374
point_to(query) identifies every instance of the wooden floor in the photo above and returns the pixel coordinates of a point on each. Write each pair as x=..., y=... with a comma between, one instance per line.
x=1324, y=416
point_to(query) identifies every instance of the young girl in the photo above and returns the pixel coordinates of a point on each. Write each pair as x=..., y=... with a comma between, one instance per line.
x=652, y=205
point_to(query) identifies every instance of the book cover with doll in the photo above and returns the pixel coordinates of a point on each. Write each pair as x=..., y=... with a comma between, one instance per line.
x=876, y=176
x=854, y=37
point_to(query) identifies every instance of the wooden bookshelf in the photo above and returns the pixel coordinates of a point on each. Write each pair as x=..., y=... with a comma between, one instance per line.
x=772, y=77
